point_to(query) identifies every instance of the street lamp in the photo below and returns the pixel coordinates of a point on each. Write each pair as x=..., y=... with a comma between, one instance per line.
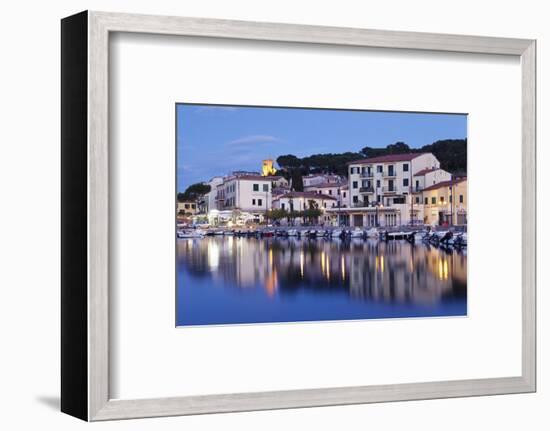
x=376, y=206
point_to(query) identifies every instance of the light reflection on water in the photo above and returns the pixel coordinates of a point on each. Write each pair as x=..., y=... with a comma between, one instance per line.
x=223, y=280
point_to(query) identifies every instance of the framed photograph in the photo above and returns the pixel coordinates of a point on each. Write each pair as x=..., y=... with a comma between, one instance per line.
x=261, y=216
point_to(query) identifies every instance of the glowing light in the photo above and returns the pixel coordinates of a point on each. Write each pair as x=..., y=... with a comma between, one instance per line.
x=322, y=262
x=213, y=255
x=343, y=265
x=271, y=258
x=328, y=268
x=302, y=264
x=382, y=263
x=271, y=284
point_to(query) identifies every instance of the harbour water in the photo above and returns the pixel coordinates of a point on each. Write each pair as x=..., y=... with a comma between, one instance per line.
x=235, y=280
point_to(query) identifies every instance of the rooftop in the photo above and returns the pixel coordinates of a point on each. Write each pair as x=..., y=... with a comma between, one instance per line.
x=426, y=171
x=255, y=177
x=306, y=195
x=405, y=157
x=327, y=185
x=445, y=184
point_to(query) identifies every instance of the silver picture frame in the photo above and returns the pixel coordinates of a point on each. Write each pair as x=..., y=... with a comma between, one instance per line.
x=85, y=215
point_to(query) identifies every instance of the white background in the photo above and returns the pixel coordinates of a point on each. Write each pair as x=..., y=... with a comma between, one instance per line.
x=150, y=73
x=29, y=173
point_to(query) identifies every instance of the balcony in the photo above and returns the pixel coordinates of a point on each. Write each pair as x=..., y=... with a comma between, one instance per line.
x=390, y=174
x=367, y=174
x=388, y=190
x=366, y=189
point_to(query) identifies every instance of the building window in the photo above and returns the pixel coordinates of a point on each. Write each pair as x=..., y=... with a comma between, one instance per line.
x=186, y=206
x=283, y=206
x=433, y=200
x=193, y=206
x=355, y=184
x=330, y=192
x=405, y=182
x=325, y=204
x=256, y=187
x=417, y=200
x=344, y=194
x=355, y=199
x=441, y=199
x=253, y=201
x=405, y=167
x=377, y=183
x=425, y=201
x=461, y=199
x=259, y=202
x=265, y=187
x=379, y=169
x=450, y=198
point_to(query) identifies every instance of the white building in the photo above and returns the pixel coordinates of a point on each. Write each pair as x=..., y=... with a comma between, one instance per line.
x=301, y=201
x=337, y=190
x=208, y=201
x=381, y=189
x=428, y=177
x=250, y=193
x=314, y=179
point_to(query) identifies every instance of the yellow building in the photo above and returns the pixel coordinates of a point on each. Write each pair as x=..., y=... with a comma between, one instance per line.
x=187, y=208
x=267, y=168
x=446, y=203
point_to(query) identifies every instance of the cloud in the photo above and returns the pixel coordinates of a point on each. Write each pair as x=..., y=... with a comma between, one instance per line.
x=250, y=140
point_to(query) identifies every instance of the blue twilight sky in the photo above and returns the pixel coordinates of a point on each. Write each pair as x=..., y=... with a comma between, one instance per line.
x=216, y=140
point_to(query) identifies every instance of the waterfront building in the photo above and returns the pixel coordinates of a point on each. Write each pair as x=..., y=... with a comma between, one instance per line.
x=301, y=201
x=208, y=201
x=249, y=193
x=381, y=189
x=428, y=177
x=187, y=208
x=446, y=203
x=314, y=179
x=334, y=189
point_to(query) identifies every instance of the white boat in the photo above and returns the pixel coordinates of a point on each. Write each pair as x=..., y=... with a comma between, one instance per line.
x=190, y=233
x=336, y=233
x=229, y=233
x=357, y=233
x=372, y=233
x=292, y=232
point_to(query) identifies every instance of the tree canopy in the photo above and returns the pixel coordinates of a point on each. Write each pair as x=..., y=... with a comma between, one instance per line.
x=193, y=192
x=450, y=152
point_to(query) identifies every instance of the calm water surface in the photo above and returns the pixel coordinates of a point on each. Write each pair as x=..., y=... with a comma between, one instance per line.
x=225, y=280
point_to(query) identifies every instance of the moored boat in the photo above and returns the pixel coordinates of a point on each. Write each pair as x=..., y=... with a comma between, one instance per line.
x=189, y=233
